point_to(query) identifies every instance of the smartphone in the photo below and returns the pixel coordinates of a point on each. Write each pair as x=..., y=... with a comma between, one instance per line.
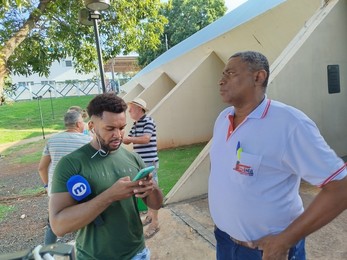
x=143, y=173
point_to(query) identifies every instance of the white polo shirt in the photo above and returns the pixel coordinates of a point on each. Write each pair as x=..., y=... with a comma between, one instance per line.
x=255, y=173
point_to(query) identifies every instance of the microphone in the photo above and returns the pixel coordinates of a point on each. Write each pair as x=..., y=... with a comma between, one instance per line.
x=79, y=189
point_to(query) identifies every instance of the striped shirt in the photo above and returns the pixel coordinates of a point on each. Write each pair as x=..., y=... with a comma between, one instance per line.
x=60, y=145
x=146, y=126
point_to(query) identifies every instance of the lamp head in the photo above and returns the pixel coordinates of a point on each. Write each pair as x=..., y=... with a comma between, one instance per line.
x=97, y=5
x=83, y=17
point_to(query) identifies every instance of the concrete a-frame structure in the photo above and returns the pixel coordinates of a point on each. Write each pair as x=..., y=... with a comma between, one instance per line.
x=299, y=37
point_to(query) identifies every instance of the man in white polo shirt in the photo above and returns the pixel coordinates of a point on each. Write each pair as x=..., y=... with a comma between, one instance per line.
x=261, y=149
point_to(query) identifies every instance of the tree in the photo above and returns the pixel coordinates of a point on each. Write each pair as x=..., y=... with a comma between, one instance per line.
x=185, y=17
x=34, y=34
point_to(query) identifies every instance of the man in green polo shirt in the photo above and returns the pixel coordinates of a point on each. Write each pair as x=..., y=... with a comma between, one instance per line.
x=109, y=169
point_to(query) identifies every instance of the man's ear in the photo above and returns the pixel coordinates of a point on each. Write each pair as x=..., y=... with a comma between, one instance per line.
x=260, y=77
x=91, y=126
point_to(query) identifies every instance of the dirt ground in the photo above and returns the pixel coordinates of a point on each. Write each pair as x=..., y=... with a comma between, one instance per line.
x=185, y=228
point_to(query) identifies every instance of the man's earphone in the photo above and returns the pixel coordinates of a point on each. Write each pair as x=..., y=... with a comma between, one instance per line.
x=100, y=151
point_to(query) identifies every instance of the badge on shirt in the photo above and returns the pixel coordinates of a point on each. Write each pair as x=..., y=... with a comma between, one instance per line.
x=241, y=168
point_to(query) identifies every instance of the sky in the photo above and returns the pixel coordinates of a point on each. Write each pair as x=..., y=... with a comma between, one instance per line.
x=232, y=4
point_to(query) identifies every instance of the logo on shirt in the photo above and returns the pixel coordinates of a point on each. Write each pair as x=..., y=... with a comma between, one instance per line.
x=241, y=168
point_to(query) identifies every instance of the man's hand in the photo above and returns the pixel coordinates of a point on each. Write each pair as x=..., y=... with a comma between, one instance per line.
x=126, y=140
x=122, y=189
x=274, y=248
x=145, y=187
x=149, y=192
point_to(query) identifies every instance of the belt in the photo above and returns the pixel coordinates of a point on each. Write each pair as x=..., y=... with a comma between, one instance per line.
x=242, y=243
x=238, y=242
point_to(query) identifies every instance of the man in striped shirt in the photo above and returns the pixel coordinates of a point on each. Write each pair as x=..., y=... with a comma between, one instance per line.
x=58, y=146
x=143, y=136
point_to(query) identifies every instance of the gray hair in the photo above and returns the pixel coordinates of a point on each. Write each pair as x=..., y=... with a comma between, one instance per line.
x=71, y=118
x=256, y=61
x=83, y=112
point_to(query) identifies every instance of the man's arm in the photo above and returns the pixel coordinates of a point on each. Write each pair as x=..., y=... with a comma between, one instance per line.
x=328, y=204
x=67, y=216
x=155, y=199
x=144, y=139
x=150, y=193
x=43, y=168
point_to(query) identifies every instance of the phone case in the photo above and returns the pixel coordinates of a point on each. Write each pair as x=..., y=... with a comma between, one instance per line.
x=143, y=173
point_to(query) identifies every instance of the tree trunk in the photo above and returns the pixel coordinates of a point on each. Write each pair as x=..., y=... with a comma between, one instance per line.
x=7, y=50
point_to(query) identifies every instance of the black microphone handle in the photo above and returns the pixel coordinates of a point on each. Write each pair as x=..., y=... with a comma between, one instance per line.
x=98, y=221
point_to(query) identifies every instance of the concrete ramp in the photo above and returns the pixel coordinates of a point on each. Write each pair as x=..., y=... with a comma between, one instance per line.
x=186, y=114
x=194, y=181
x=133, y=93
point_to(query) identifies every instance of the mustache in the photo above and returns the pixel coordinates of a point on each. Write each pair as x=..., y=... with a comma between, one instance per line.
x=116, y=139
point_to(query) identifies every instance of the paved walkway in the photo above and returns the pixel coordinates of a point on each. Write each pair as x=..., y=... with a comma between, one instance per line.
x=327, y=243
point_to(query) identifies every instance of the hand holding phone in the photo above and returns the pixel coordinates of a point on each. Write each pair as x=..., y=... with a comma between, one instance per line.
x=143, y=173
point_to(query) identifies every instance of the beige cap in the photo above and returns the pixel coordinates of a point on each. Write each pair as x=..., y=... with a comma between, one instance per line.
x=140, y=103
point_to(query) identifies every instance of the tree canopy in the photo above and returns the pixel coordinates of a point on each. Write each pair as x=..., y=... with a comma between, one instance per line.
x=35, y=33
x=185, y=17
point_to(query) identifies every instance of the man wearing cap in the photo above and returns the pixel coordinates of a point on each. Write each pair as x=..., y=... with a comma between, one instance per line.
x=143, y=136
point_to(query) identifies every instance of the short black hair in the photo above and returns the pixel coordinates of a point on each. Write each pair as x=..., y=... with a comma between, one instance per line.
x=109, y=102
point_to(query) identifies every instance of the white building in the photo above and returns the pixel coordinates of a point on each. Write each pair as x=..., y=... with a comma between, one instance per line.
x=62, y=81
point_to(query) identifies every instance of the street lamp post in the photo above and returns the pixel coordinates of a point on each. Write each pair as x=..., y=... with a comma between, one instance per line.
x=41, y=117
x=95, y=17
x=50, y=97
x=94, y=6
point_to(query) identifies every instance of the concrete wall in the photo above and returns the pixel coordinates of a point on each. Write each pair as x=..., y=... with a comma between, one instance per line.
x=300, y=75
x=269, y=33
x=133, y=93
x=187, y=113
x=152, y=95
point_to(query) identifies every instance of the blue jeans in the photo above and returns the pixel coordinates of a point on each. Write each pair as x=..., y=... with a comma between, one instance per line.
x=50, y=237
x=155, y=171
x=229, y=250
x=145, y=254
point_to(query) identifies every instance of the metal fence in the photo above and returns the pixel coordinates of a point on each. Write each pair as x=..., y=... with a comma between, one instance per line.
x=48, y=89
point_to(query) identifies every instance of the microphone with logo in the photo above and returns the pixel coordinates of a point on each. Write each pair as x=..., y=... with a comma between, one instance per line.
x=79, y=190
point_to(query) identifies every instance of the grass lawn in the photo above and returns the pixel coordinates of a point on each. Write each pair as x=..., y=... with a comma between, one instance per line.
x=22, y=119
x=5, y=210
x=174, y=162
